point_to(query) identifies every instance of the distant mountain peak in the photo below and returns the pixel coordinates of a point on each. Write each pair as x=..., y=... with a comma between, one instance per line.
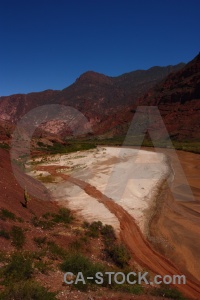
x=93, y=77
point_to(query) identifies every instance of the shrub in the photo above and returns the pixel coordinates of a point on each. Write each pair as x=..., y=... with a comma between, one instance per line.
x=4, y=234
x=42, y=266
x=6, y=214
x=119, y=254
x=168, y=292
x=44, y=224
x=19, y=268
x=79, y=263
x=135, y=289
x=109, y=234
x=18, y=237
x=28, y=290
x=94, y=229
x=56, y=251
x=64, y=216
x=40, y=240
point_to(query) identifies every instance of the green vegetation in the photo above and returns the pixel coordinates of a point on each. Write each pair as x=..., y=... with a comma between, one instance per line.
x=56, y=251
x=40, y=241
x=18, y=237
x=76, y=263
x=119, y=254
x=49, y=220
x=29, y=290
x=73, y=146
x=18, y=269
x=168, y=292
x=4, y=146
x=64, y=216
x=108, y=234
x=4, y=234
x=93, y=229
x=6, y=214
x=190, y=146
x=17, y=277
x=44, y=224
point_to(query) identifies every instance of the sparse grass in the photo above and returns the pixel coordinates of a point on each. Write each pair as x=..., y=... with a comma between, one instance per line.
x=168, y=292
x=18, y=237
x=40, y=241
x=72, y=146
x=135, y=289
x=42, y=266
x=28, y=290
x=79, y=244
x=56, y=251
x=6, y=214
x=19, y=268
x=44, y=224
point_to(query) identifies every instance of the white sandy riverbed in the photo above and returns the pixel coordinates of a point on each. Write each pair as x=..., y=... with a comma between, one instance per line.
x=128, y=176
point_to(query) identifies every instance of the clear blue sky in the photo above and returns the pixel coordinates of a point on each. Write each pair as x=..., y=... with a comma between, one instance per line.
x=48, y=44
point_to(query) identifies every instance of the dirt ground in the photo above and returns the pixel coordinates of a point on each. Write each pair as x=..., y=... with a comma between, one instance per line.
x=184, y=250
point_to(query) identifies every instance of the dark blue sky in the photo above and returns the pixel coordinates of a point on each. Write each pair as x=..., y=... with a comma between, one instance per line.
x=48, y=44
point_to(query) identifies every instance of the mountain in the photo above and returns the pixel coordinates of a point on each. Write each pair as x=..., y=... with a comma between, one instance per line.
x=178, y=99
x=101, y=99
x=109, y=103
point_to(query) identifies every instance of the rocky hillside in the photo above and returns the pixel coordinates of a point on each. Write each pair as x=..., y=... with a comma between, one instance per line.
x=100, y=98
x=178, y=99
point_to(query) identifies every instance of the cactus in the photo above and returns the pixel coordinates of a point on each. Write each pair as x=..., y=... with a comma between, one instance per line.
x=26, y=197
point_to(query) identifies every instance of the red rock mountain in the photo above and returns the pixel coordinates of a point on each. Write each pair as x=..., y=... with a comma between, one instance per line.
x=178, y=99
x=108, y=103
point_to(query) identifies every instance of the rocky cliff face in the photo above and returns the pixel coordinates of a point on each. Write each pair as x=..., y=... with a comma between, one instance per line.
x=178, y=99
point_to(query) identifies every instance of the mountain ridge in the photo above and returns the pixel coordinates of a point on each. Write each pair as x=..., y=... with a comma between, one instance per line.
x=109, y=103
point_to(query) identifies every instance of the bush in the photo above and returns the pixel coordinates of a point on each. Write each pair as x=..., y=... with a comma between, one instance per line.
x=168, y=292
x=18, y=237
x=6, y=214
x=108, y=234
x=94, y=229
x=44, y=224
x=64, y=216
x=4, y=234
x=28, y=290
x=56, y=251
x=78, y=263
x=135, y=289
x=19, y=268
x=119, y=254
x=40, y=240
